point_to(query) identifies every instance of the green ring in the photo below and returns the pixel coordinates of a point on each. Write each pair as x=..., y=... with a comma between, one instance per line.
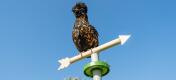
x=98, y=65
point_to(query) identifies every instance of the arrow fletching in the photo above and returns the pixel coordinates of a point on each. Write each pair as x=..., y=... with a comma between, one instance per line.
x=64, y=63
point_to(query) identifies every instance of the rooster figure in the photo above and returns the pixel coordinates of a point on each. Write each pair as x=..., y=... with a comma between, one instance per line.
x=84, y=35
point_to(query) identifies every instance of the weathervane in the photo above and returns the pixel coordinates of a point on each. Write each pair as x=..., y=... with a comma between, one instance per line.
x=85, y=38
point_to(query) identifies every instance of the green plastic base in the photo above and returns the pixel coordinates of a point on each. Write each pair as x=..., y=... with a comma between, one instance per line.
x=103, y=66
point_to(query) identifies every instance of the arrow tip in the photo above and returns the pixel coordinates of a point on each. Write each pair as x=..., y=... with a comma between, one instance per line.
x=124, y=38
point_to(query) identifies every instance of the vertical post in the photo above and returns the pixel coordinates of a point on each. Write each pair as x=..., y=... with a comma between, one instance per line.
x=96, y=73
x=96, y=69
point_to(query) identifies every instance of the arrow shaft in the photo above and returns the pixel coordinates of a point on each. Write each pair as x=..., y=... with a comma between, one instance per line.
x=95, y=50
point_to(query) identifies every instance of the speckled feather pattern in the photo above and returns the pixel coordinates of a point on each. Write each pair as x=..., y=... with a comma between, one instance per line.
x=84, y=35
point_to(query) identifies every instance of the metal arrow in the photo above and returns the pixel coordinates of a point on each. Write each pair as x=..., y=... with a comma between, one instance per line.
x=67, y=61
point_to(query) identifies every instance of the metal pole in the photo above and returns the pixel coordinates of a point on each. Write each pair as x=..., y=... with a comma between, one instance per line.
x=96, y=73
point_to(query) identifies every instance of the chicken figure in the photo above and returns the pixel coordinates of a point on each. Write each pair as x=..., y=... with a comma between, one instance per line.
x=84, y=35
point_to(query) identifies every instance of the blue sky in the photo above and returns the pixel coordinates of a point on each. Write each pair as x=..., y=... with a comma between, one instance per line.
x=34, y=34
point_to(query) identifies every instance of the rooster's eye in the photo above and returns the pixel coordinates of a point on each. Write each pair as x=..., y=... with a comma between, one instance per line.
x=82, y=10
